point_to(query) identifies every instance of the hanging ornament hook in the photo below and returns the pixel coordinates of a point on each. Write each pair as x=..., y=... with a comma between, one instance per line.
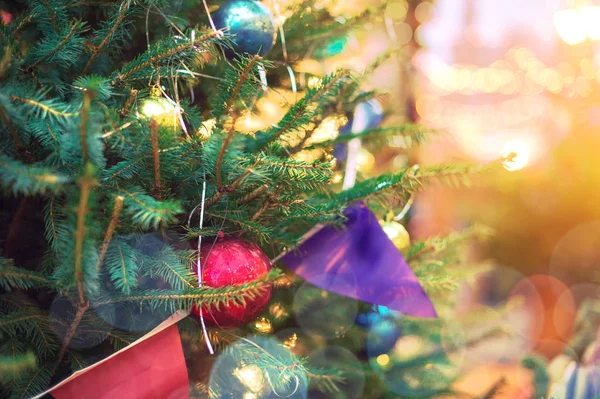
x=410, y=201
x=406, y=208
x=297, y=380
x=199, y=260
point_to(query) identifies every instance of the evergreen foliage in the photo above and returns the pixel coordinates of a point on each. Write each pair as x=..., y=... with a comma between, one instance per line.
x=104, y=177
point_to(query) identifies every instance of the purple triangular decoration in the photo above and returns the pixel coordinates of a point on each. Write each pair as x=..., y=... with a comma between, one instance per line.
x=360, y=262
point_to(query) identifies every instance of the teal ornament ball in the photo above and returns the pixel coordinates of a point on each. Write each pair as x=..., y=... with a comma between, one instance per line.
x=251, y=25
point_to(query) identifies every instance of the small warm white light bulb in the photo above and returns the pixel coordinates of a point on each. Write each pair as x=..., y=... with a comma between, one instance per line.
x=517, y=154
x=383, y=360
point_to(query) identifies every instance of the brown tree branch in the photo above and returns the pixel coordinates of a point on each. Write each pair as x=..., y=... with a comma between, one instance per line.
x=112, y=225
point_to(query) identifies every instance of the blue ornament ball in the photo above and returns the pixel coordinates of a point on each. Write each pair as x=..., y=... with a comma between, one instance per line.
x=251, y=24
x=382, y=336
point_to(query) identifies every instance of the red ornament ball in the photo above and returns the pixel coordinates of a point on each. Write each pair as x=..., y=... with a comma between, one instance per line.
x=233, y=261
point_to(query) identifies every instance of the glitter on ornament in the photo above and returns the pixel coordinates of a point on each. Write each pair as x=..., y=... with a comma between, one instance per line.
x=263, y=325
x=251, y=24
x=278, y=311
x=290, y=343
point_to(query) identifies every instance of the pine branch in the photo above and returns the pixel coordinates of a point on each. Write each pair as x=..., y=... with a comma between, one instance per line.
x=87, y=100
x=219, y=194
x=260, y=231
x=25, y=322
x=32, y=383
x=409, y=181
x=51, y=231
x=204, y=297
x=112, y=225
x=81, y=309
x=411, y=133
x=116, y=24
x=266, y=205
x=86, y=183
x=13, y=366
x=253, y=194
x=301, y=113
x=127, y=106
x=29, y=180
x=12, y=130
x=44, y=108
x=122, y=265
x=229, y=108
x=51, y=15
x=146, y=211
x=16, y=278
x=156, y=156
x=153, y=57
x=76, y=27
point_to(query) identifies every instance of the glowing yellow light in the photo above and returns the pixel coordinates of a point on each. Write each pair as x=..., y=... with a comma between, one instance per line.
x=314, y=82
x=251, y=377
x=277, y=310
x=328, y=129
x=383, y=360
x=250, y=395
x=153, y=108
x=517, y=154
x=290, y=343
x=309, y=156
x=337, y=177
x=570, y=26
x=163, y=111
x=408, y=346
x=263, y=326
x=206, y=128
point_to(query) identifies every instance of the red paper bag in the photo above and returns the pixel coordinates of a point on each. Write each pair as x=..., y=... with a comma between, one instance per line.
x=151, y=368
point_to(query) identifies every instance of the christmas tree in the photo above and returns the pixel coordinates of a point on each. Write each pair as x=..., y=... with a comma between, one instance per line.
x=127, y=157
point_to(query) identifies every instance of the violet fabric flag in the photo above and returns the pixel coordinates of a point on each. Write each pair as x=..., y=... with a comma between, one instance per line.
x=360, y=261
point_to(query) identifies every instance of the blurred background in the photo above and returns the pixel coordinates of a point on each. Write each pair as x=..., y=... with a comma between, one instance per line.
x=500, y=77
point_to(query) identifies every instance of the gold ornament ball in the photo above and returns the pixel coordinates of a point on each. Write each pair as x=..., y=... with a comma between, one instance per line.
x=397, y=234
x=365, y=162
x=161, y=110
